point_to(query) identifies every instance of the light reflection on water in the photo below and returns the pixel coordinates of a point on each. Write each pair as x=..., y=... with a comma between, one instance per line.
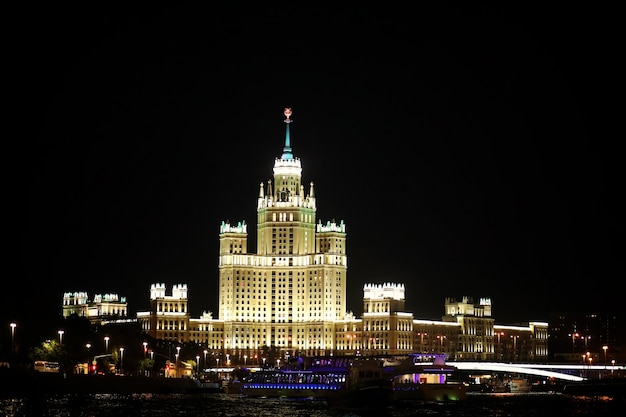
x=222, y=405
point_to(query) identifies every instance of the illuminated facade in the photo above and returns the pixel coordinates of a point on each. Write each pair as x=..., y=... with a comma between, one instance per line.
x=290, y=296
x=169, y=316
x=293, y=290
x=102, y=306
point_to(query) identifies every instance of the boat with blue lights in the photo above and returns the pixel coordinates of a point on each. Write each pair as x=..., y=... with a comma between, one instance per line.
x=347, y=381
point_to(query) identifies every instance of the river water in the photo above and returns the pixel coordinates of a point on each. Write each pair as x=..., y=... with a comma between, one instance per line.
x=223, y=405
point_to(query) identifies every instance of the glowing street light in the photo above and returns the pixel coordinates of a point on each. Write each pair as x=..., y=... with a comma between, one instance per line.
x=177, y=356
x=604, y=348
x=441, y=340
x=515, y=337
x=499, y=334
x=245, y=360
x=574, y=336
x=205, y=352
x=421, y=335
x=13, y=326
x=198, y=364
x=61, y=337
x=106, y=344
x=145, y=349
x=121, y=360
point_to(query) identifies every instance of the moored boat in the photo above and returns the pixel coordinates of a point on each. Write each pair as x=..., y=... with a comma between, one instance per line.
x=517, y=385
x=427, y=381
x=232, y=386
x=340, y=381
x=293, y=383
x=614, y=388
x=454, y=391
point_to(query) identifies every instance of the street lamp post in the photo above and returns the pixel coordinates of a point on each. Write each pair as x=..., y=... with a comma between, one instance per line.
x=574, y=336
x=145, y=349
x=61, y=337
x=604, y=348
x=421, y=335
x=499, y=350
x=441, y=339
x=205, y=352
x=13, y=326
x=198, y=364
x=515, y=337
x=106, y=344
x=121, y=360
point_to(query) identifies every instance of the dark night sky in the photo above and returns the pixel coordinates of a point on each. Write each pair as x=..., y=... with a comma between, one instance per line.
x=468, y=149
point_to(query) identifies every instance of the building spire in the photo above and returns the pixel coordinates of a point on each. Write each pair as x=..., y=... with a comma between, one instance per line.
x=287, y=149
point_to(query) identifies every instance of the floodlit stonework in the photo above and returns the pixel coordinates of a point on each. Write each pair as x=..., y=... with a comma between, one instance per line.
x=290, y=295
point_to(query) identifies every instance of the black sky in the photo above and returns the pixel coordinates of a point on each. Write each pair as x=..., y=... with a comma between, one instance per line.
x=466, y=148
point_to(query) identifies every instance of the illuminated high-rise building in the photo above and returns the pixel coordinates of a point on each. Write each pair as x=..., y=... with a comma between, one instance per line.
x=293, y=290
x=289, y=297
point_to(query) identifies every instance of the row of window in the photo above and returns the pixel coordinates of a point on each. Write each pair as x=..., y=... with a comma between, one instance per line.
x=172, y=307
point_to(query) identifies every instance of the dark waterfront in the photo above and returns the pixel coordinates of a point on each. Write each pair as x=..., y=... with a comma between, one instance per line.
x=223, y=405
